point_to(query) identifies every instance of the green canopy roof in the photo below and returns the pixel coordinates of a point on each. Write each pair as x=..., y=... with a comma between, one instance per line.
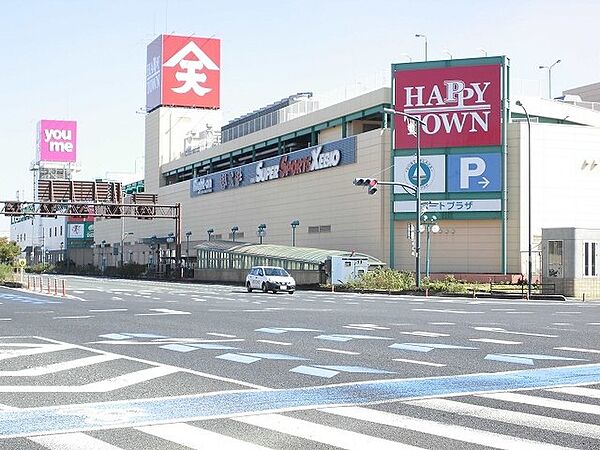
x=303, y=254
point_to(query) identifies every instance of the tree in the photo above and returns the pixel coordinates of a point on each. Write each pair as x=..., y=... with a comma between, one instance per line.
x=9, y=250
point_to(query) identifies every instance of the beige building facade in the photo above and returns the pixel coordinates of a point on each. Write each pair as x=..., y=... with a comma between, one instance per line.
x=335, y=214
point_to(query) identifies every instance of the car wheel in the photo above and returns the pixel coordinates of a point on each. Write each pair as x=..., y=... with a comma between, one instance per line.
x=248, y=287
x=264, y=288
x=274, y=291
x=290, y=292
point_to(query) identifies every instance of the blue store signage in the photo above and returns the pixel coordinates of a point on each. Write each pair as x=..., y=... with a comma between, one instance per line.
x=475, y=172
x=332, y=154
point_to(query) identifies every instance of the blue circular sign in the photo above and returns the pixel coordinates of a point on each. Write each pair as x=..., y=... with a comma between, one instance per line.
x=425, y=173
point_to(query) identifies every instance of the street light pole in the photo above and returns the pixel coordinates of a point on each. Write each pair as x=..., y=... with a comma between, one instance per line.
x=294, y=224
x=529, y=264
x=550, y=76
x=128, y=233
x=418, y=124
x=424, y=37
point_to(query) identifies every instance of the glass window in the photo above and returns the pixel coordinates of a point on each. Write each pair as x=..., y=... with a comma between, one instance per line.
x=555, y=259
x=260, y=272
x=590, y=256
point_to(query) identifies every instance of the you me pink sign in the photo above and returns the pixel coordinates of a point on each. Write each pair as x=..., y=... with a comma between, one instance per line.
x=57, y=140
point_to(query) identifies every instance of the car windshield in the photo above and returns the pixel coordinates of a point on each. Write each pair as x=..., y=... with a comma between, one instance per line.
x=276, y=272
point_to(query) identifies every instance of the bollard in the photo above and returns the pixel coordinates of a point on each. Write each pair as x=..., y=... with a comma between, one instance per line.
x=55, y=286
x=63, y=288
x=27, y=281
x=584, y=296
x=41, y=284
x=48, y=290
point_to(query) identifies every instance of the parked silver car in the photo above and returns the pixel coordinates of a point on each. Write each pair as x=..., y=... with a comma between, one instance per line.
x=269, y=278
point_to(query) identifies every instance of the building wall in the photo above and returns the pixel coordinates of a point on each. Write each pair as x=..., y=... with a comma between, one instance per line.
x=588, y=93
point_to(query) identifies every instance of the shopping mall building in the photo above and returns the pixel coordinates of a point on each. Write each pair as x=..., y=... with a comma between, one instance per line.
x=295, y=160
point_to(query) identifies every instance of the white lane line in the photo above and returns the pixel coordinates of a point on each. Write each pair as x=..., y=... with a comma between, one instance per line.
x=6, y=318
x=108, y=385
x=58, y=367
x=72, y=317
x=424, y=334
x=503, y=331
x=197, y=438
x=579, y=391
x=164, y=312
x=513, y=417
x=321, y=433
x=267, y=341
x=448, y=311
x=442, y=323
x=534, y=400
x=496, y=341
x=580, y=350
x=456, y=432
x=222, y=335
x=108, y=310
x=72, y=441
x=424, y=363
x=116, y=298
x=333, y=350
x=39, y=349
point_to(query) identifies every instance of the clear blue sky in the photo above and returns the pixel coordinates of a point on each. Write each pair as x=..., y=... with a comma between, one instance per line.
x=84, y=60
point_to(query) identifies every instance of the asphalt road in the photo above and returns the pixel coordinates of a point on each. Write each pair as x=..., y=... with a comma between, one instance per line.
x=146, y=365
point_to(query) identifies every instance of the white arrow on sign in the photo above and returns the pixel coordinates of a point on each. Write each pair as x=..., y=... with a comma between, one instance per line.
x=484, y=182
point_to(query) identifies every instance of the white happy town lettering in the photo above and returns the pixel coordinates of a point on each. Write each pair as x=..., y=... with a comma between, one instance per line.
x=59, y=140
x=442, y=107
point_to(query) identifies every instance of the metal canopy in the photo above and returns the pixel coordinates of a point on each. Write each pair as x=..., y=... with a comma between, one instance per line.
x=301, y=254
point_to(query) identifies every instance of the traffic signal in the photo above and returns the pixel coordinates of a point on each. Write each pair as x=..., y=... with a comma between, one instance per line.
x=372, y=187
x=371, y=183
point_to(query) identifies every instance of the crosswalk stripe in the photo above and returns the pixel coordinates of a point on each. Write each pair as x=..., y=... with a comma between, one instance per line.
x=72, y=441
x=321, y=433
x=543, y=401
x=512, y=417
x=197, y=438
x=579, y=391
x=456, y=432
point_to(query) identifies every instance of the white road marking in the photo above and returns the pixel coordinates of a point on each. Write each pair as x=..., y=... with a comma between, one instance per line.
x=496, y=341
x=163, y=312
x=448, y=311
x=561, y=323
x=545, y=402
x=442, y=323
x=58, y=367
x=321, y=433
x=424, y=333
x=108, y=310
x=6, y=318
x=197, y=438
x=513, y=417
x=222, y=335
x=38, y=349
x=72, y=317
x=575, y=349
x=456, y=432
x=266, y=341
x=502, y=330
x=424, y=363
x=333, y=350
x=365, y=326
x=72, y=441
x=108, y=385
x=579, y=391
x=116, y=298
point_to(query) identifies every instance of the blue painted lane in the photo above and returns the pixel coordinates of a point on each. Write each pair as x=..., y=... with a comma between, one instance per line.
x=94, y=416
x=27, y=299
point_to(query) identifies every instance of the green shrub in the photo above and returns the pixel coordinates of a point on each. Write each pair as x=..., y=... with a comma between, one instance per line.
x=5, y=272
x=41, y=268
x=448, y=284
x=384, y=279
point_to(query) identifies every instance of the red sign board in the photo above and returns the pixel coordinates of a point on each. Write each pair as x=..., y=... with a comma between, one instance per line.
x=183, y=71
x=460, y=106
